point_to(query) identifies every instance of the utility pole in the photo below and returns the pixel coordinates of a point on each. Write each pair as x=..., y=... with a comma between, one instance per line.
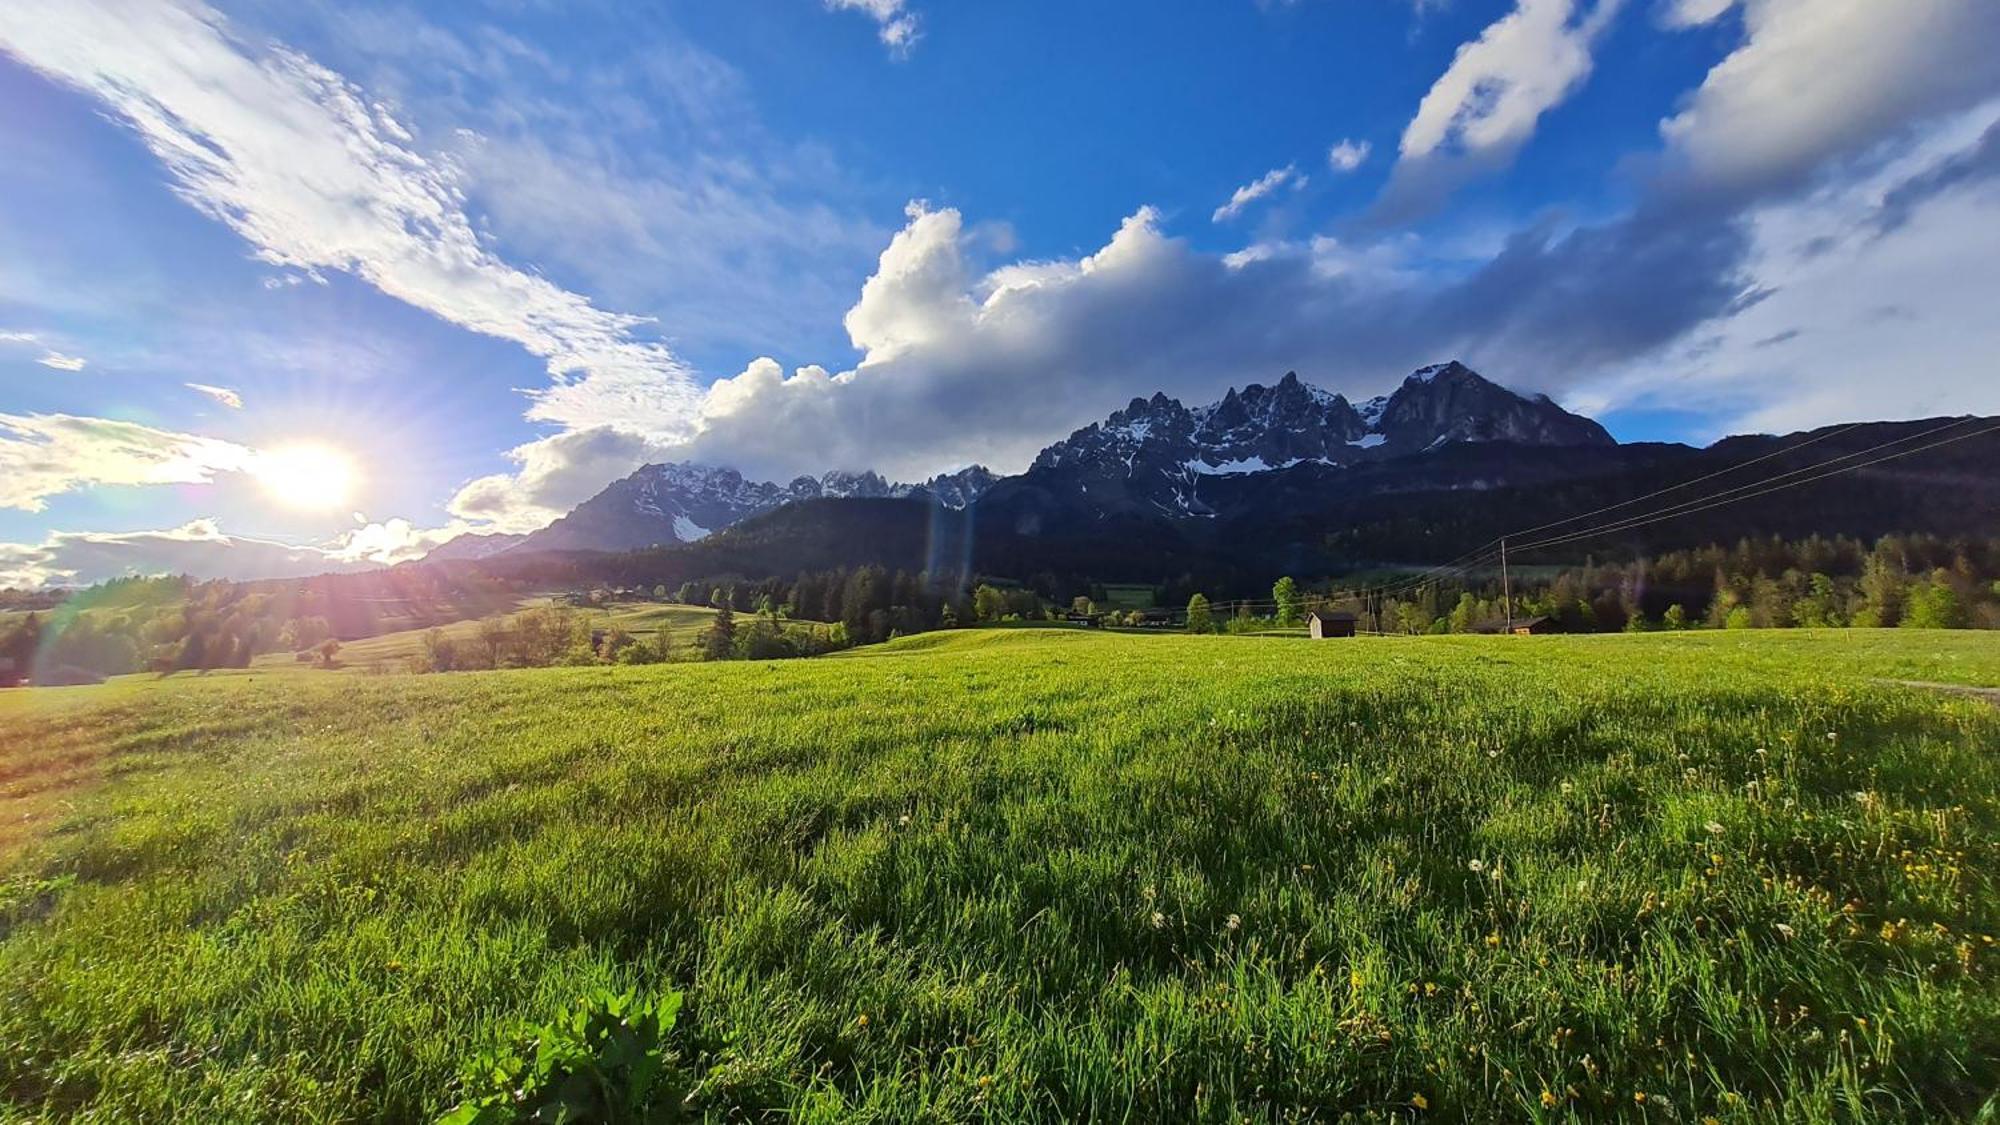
x=1506, y=587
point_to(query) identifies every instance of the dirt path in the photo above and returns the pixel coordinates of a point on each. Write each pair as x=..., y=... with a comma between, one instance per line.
x=1990, y=695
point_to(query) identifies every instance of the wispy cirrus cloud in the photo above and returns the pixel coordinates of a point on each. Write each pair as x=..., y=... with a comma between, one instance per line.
x=50, y=357
x=301, y=164
x=222, y=395
x=1258, y=189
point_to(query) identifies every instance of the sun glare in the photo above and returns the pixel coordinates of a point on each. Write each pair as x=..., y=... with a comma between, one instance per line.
x=306, y=475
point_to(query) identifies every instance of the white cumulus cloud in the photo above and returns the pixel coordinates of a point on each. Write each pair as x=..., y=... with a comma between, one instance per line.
x=42, y=455
x=1818, y=79
x=201, y=549
x=1348, y=155
x=1488, y=103
x=895, y=24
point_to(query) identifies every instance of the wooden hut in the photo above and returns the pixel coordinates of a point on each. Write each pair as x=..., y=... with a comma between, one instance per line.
x=1534, y=626
x=1323, y=625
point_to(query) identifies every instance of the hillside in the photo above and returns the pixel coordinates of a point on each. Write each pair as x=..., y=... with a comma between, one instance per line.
x=1030, y=875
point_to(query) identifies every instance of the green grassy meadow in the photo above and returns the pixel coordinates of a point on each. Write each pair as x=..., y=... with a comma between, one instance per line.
x=1021, y=875
x=394, y=651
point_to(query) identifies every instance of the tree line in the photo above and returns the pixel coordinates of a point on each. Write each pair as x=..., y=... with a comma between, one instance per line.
x=1908, y=581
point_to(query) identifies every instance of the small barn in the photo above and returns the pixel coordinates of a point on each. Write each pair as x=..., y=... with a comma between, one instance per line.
x=1534, y=626
x=1323, y=625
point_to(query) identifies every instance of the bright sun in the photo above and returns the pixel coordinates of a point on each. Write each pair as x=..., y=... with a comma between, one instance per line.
x=306, y=475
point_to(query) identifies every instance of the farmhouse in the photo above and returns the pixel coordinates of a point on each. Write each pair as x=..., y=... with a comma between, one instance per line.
x=1323, y=625
x=1537, y=625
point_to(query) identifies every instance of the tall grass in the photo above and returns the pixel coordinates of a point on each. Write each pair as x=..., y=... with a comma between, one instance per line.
x=1029, y=875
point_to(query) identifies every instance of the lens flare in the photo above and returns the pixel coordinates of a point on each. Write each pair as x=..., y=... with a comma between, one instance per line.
x=306, y=475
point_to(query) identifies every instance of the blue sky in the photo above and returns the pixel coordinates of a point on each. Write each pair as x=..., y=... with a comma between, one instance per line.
x=293, y=285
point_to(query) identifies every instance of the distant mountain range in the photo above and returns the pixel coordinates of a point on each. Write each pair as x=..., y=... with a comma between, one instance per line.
x=1267, y=479
x=1158, y=456
x=1155, y=455
x=681, y=502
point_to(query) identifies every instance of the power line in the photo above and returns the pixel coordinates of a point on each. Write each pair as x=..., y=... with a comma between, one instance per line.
x=1806, y=475
x=1724, y=498
x=1686, y=483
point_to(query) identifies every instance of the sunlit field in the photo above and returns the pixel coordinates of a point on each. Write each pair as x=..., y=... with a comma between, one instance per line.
x=402, y=649
x=1030, y=875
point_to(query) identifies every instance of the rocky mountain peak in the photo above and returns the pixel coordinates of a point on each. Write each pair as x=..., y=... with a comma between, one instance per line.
x=683, y=501
x=1449, y=402
x=1157, y=451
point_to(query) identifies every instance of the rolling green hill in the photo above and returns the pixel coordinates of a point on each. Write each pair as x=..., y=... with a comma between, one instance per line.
x=393, y=651
x=1031, y=875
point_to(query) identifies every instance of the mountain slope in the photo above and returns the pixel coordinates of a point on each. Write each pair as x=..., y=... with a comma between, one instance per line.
x=1159, y=456
x=682, y=502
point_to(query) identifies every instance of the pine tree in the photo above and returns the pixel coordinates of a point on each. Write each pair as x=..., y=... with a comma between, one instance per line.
x=721, y=640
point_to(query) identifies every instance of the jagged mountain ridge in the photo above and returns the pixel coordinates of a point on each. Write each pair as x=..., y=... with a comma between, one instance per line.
x=1155, y=457
x=1159, y=456
x=684, y=502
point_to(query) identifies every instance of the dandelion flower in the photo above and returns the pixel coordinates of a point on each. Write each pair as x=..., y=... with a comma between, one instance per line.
x=1159, y=920
x=1234, y=922
x=1569, y=787
x=1785, y=931
x=1420, y=1101
x=903, y=821
x=1714, y=828
x=1548, y=1099
x=1476, y=866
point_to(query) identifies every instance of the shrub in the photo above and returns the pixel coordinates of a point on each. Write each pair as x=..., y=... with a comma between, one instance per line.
x=608, y=1060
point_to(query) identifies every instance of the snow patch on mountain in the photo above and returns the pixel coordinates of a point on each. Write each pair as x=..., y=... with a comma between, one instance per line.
x=1155, y=452
x=685, y=502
